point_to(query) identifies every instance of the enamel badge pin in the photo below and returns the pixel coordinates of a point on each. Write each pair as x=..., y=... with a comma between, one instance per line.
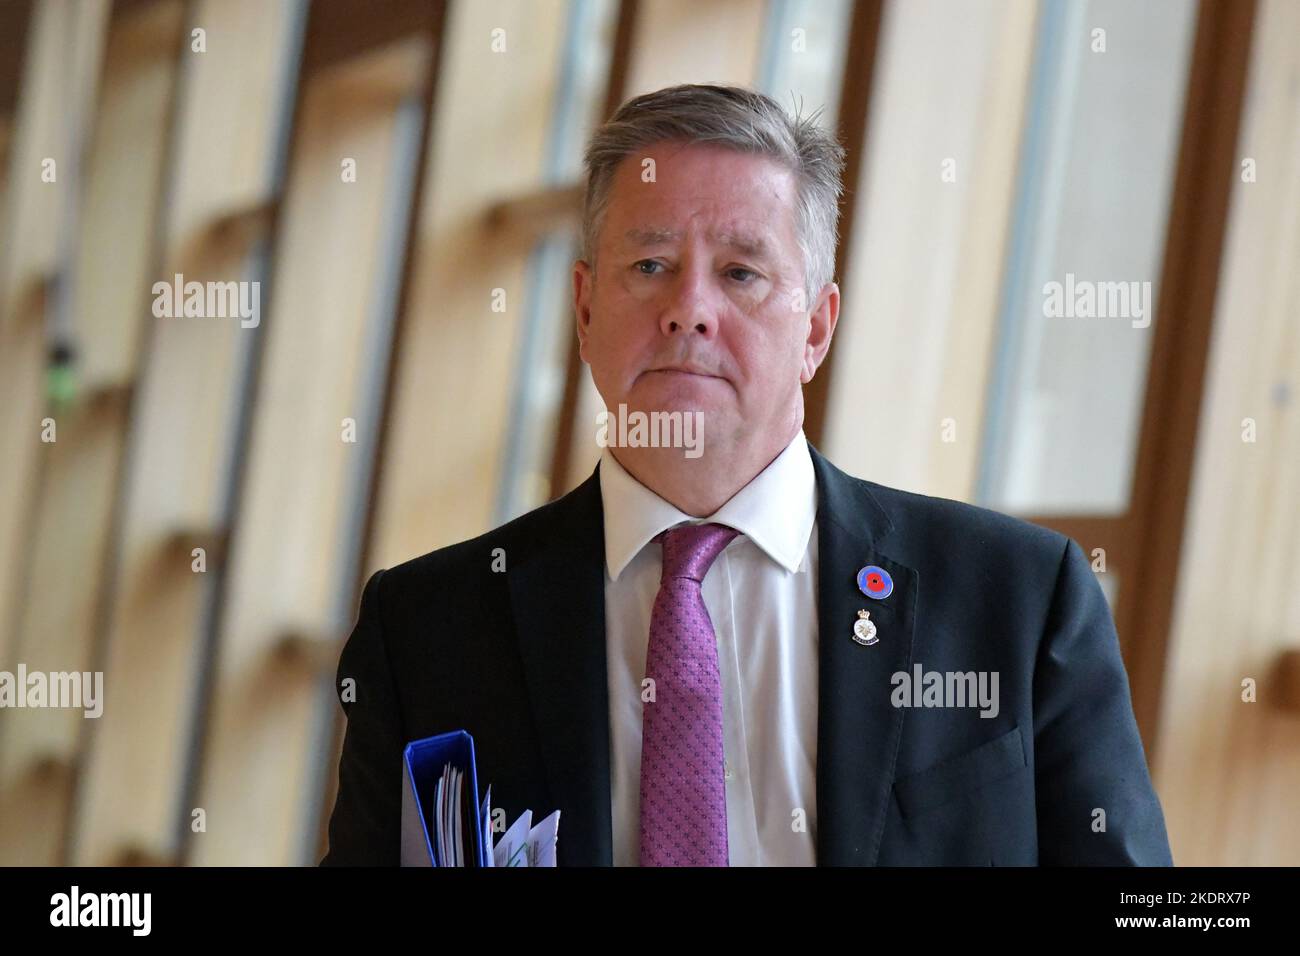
x=864, y=631
x=875, y=582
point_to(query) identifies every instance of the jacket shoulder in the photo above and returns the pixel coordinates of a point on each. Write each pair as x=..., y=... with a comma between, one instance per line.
x=929, y=523
x=517, y=540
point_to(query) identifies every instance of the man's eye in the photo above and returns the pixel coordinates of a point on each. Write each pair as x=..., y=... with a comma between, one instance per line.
x=748, y=272
x=644, y=262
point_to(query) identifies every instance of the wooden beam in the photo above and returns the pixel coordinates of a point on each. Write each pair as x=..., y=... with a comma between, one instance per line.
x=1176, y=372
x=1284, y=686
x=854, y=118
x=436, y=31
x=340, y=29
x=526, y=218
x=15, y=17
x=615, y=92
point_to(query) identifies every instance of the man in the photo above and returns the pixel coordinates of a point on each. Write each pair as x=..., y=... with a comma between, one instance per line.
x=734, y=653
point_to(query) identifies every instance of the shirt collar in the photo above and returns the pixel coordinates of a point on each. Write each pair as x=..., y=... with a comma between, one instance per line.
x=776, y=510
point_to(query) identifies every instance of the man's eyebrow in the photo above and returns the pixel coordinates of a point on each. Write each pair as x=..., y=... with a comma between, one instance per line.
x=651, y=236
x=750, y=245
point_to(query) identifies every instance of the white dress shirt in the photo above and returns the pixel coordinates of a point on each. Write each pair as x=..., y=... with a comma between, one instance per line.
x=761, y=594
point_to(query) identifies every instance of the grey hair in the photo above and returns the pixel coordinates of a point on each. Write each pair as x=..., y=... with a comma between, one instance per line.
x=739, y=119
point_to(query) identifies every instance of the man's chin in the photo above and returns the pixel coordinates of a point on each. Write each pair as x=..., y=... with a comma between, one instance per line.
x=650, y=424
x=678, y=392
x=673, y=405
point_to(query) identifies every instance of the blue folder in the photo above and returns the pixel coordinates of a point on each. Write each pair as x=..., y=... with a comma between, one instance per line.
x=422, y=765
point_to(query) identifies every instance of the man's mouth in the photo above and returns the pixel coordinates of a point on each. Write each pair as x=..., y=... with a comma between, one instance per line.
x=683, y=370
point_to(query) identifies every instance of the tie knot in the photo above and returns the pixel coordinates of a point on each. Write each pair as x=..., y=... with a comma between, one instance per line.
x=691, y=549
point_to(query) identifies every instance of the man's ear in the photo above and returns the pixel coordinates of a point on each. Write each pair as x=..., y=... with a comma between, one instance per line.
x=821, y=326
x=584, y=278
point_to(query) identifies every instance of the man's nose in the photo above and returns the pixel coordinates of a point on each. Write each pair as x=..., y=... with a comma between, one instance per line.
x=691, y=308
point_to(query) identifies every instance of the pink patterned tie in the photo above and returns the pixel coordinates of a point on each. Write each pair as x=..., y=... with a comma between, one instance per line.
x=683, y=790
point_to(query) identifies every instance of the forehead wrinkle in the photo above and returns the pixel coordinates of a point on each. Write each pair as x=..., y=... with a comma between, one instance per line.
x=750, y=245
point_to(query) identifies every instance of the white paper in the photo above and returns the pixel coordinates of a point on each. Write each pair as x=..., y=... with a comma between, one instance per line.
x=437, y=824
x=513, y=848
x=458, y=844
x=541, y=841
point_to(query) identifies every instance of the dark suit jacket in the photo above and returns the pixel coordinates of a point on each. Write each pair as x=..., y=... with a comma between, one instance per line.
x=517, y=658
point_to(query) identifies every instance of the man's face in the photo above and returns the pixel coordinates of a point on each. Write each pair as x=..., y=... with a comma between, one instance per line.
x=696, y=302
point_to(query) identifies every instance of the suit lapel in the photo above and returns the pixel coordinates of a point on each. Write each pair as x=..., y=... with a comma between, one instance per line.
x=857, y=728
x=557, y=596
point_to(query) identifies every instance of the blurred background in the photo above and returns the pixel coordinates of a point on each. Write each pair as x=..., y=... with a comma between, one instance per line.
x=190, y=504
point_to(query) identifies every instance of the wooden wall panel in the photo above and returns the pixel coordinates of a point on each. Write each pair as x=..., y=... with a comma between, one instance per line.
x=283, y=620
x=73, y=511
x=1228, y=770
x=921, y=289
x=40, y=747
x=451, y=394
x=237, y=96
x=684, y=41
x=48, y=561
x=15, y=21
x=66, y=39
